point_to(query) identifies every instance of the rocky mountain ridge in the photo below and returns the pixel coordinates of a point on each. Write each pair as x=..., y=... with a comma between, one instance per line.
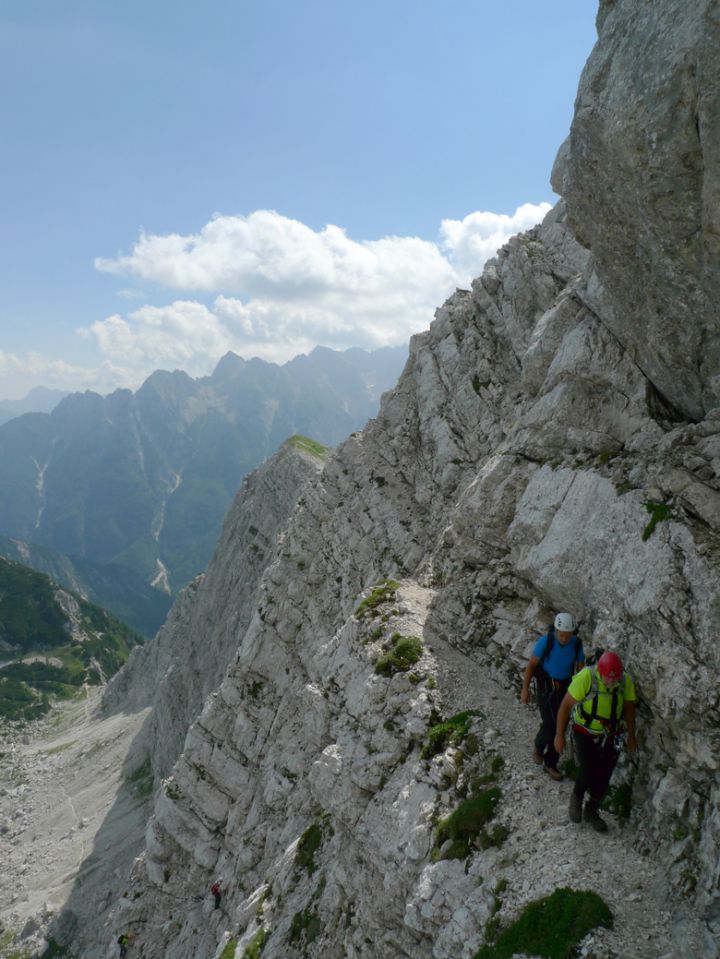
x=539, y=452
x=142, y=480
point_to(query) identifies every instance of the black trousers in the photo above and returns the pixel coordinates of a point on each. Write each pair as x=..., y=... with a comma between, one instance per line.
x=549, y=700
x=596, y=757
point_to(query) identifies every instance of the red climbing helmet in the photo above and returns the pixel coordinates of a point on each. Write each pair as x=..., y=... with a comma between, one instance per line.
x=610, y=666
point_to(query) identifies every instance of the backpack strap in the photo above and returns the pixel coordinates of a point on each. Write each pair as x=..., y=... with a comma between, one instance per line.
x=584, y=717
x=548, y=645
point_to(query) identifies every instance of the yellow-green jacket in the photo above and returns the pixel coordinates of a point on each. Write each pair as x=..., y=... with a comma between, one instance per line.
x=583, y=688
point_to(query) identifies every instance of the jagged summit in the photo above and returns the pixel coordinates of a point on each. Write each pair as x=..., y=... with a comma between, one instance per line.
x=229, y=365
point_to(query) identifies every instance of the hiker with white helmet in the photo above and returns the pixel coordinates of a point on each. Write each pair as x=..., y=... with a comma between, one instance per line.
x=554, y=658
x=600, y=698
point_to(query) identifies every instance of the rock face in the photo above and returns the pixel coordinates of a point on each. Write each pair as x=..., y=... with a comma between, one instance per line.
x=531, y=458
x=641, y=175
x=189, y=657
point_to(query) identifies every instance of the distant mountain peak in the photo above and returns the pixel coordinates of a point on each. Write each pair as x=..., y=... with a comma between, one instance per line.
x=229, y=365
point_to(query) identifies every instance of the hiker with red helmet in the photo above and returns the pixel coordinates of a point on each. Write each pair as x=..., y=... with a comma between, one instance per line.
x=600, y=698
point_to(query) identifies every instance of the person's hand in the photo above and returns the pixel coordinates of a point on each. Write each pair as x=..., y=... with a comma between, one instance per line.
x=524, y=696
x=631, y=743
x=559, y=743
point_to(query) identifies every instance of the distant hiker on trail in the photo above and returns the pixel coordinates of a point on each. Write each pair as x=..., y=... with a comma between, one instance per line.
x=123, y=942
x=555, y=657
x=600, y=698
x=216, y=890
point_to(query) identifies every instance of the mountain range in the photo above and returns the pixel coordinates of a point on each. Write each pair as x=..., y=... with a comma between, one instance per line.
x=38, y=400
x=142, y=480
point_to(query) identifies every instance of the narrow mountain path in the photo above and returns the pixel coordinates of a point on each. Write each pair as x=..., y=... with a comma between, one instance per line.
x=545, y=850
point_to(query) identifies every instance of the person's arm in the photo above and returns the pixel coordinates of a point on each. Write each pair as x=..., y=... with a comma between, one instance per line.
x=562, y=720
x=529, y=671
x=629, y=717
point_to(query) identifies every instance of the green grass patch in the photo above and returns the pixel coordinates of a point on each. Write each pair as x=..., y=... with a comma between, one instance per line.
x=451, y=732
x=309, y=446
x=382, y=593
x=551, y=927
x=659, y=512
x=305, y=926
x=229, y=950
x=256, y=945
x=466, y=825
x=404, y=653
x=308, y=845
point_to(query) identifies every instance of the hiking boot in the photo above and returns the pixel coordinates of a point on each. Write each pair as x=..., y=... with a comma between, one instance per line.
x=575, y=810
x=553, y=773
x=537, y=756
x=592, y=816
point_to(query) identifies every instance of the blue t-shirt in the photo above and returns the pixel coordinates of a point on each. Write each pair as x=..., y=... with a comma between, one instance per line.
x=561, y=661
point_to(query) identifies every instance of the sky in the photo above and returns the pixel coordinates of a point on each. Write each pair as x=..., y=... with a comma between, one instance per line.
x=178, y=179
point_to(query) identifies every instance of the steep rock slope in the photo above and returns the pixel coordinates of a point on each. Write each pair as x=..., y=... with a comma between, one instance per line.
x=74, y=788
x=531, y=458
x=189, y=657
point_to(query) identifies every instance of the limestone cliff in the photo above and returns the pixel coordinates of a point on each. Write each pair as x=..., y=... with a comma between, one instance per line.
x=189, y=657
x=552, y=443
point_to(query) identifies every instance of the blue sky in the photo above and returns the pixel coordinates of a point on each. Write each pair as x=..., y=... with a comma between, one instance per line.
x=182, y=178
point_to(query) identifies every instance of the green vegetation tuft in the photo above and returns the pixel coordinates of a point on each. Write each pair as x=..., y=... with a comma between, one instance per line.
x=229, y=950
x=256, y=945
x=466, y=824
x=619, y=800
x=382, y=593
x=658, y=513
x=451, y=732
x=309, y=446
x=404, y=653
x=307, y=846
x=551, y=927
x=305, y=925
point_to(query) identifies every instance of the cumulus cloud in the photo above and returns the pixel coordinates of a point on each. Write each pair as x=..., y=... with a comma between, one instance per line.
x=19, y=374
x=477, y=237
x=273, y=287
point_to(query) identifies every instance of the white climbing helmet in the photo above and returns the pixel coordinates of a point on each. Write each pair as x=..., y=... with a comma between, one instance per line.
x=564, y=623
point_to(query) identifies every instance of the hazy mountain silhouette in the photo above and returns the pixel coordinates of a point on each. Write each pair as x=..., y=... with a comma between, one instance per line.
x=142, y=480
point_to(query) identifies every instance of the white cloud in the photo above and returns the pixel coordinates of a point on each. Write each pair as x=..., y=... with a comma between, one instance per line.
x=19, y=374
x=275, y=287
x=477, y=237
x=183, y=334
